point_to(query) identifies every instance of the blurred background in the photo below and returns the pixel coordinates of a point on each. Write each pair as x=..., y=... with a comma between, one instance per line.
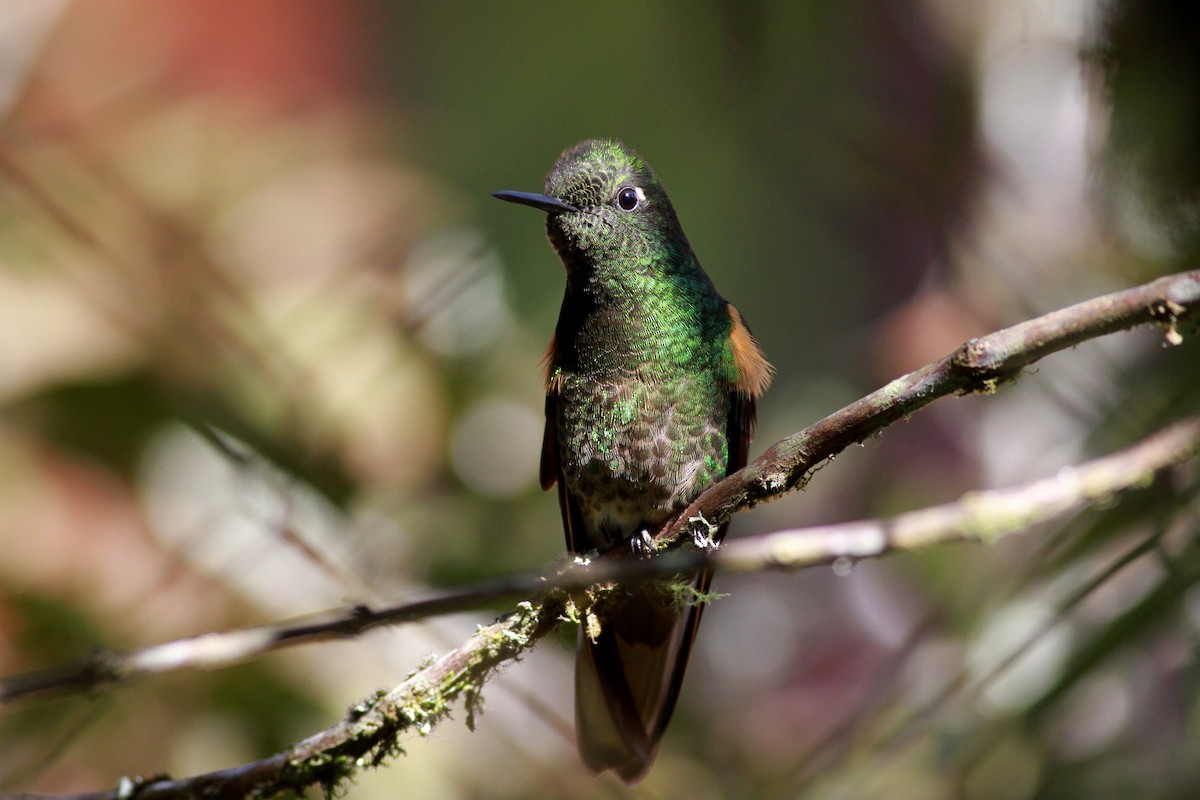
x=267, y=346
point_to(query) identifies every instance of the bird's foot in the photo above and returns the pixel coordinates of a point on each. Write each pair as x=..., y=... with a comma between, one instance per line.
x=703, y=533
x=641, y=544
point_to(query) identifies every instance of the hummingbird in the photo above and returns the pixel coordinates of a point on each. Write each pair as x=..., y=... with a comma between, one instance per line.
x=651, y=382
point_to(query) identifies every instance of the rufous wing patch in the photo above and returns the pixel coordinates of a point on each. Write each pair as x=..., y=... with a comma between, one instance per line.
x=754, y=371
x=552, y=380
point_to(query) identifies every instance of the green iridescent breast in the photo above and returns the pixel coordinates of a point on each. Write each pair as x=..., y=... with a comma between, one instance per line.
x=633, y=453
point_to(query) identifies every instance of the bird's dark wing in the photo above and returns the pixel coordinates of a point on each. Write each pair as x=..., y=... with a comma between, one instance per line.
x=551, y=473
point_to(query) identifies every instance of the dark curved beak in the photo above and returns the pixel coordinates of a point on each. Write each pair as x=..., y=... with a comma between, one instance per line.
x=551, y=205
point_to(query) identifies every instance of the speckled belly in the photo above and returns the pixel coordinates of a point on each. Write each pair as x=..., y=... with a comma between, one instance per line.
x=634, y=454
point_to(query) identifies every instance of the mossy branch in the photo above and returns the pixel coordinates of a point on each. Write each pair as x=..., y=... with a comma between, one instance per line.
x=369, y=734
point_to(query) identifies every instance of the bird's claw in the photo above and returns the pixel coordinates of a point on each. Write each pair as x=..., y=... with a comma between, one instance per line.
x=703, y=533
x=641, y=544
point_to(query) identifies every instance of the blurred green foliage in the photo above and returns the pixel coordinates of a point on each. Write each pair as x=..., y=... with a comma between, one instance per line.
x=267, y=346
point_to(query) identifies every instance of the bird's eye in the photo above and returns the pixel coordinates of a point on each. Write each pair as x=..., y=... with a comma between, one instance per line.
x=628, y=198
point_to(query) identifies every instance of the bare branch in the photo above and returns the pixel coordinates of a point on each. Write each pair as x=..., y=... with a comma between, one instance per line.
x=979, y=365
x=984, y=516
x=217, y=650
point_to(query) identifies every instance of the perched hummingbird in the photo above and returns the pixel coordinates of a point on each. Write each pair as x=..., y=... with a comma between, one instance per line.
x=651, y=382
